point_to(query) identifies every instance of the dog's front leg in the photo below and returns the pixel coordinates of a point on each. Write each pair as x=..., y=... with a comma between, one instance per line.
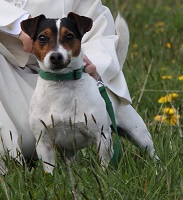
x=105, y=149
x=45, y=151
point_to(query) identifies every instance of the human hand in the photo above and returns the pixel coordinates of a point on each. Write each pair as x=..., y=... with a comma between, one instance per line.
x=90, y=68
x=26, y=42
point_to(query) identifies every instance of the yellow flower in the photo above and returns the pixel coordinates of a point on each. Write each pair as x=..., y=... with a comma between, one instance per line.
x=168, y=45
x=166, y=77
x=160, y=118
x=169, y=111
x=168, y=98
x=180, y=78
x=173, y=95
x=162, y=100
x=174, y=120
x=165, y=99
x=157, y=118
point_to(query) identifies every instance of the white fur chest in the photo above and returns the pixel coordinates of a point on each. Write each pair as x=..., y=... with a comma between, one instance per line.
x=67, y=101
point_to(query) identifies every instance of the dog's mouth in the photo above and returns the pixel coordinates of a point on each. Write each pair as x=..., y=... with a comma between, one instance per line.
x=57, y=61
x=56, y=67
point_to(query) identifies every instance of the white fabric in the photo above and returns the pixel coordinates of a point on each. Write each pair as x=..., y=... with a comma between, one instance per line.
x=14, y=28
x=9, y=13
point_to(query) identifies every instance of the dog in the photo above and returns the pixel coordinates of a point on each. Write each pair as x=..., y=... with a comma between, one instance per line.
x=69, y=115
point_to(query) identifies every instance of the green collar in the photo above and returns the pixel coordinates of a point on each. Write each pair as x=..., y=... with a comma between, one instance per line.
x=74, y=75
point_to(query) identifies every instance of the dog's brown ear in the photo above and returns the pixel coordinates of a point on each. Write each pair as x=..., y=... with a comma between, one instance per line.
x=84, y=23
x=29, y=26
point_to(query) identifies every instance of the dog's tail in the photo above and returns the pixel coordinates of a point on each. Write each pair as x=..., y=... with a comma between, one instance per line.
x=123, y=32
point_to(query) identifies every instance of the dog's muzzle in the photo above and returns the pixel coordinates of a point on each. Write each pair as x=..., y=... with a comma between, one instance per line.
x=57, y=61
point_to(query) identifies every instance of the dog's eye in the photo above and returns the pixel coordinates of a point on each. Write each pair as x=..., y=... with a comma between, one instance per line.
x=69, y=37
x=42, y=38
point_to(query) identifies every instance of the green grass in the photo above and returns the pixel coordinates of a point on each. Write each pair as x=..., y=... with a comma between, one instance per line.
x=137, y=177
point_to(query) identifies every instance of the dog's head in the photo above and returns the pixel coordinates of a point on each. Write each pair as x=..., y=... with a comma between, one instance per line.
x=56, y=42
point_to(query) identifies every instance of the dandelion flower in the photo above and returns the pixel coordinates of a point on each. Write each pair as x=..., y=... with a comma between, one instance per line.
x=173, y=95
x=174, y=120
x=180, y=78
x=157, y=118
x=160, y=118
x=166, y=77
x=169, y=111
x=168, y=45
x=162, y=100
x=168, y=98
x=165, y=99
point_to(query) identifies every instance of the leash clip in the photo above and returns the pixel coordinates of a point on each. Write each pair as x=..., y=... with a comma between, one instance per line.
x=100, y=84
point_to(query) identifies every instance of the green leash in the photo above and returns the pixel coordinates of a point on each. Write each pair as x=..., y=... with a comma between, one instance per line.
x=75, y=75
x=109, y=107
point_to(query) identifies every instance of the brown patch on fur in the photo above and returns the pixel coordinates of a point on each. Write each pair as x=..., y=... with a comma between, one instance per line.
x=73, y=46
x=41, y=49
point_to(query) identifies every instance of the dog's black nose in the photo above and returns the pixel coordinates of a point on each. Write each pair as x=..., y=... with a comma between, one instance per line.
x=56, y=58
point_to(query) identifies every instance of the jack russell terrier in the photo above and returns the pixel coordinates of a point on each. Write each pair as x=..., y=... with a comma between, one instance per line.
x=67, y=111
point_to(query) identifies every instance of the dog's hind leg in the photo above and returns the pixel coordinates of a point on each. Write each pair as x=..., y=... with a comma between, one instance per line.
x=134, y=127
